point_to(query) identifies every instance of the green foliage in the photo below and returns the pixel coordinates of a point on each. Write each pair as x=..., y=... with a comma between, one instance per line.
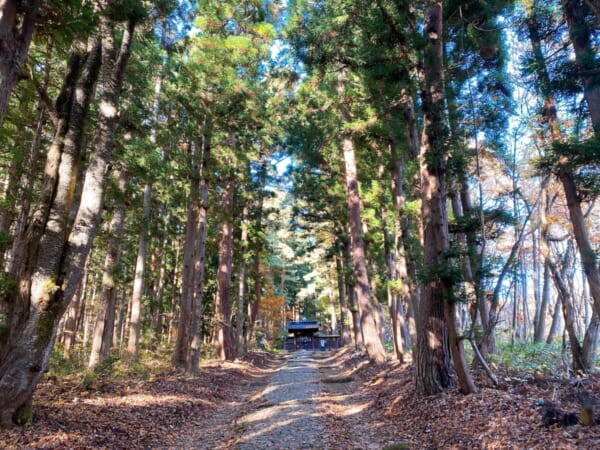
x=112, y=367
x=495, y=221
x=529, y=357
x=7, y=285
x=571, y=155
x=88, y=379
x=127, y=10
x=106, y=367
x=395, y=286
x=59, y=366
x=578, y=158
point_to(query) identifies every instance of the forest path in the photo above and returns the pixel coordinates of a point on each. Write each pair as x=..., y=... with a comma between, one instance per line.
x=288, y=413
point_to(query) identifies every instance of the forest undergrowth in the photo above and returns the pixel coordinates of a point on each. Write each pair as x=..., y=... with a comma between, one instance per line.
x=512, y=415
x=151, y=405
x=142, y=405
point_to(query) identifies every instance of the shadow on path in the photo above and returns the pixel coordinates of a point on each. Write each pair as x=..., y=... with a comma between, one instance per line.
x=287, y=414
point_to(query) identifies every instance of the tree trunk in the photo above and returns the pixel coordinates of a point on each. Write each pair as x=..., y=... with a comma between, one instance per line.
x=224, y=339
x=73, y=316
x=397, y=321
x=138, y=279
x=10, y=199
x=53, y=265
x=470, y=286
x=181, y=354
x=33, y=311
x=356, y=328
x=373, y=345
x=344, y=319
x=540, y=328
x=569, y=316
x=174, y=291
x=377, y=308
x=524, y=298
x=585, y=57
x=437, y=335
x=475, y=246
x=589, y=348
x=254, y=304
x=555, y=326
x=586, y=251
x=24, y=195
x=16, y=30
x=140, y=266
x=371, y=341
x=105, y=318
x=240, y=312
x=199, y=263
x=403, y=271
x=157, y=284
x=580, y=38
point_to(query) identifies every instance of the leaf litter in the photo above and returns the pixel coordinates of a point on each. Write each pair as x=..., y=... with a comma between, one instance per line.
x=374, y=408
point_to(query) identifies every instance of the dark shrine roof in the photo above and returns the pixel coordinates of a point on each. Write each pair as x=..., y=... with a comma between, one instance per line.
x=306, y=325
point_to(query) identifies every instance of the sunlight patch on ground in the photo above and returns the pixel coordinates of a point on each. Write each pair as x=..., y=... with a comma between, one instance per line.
x=265, y=430
x=144, y=400
x=357, y=408
x=266, y=411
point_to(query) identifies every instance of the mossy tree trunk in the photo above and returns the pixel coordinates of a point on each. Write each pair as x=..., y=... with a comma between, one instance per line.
x=53, y=257
x=34, y=308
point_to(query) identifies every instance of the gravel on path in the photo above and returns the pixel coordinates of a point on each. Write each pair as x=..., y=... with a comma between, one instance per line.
x=287, y=415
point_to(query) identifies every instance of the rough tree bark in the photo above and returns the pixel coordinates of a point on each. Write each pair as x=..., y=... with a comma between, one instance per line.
x=181, y=353
x=371, y=341
x=437, y=330
x=407, y=286
x=105, y=317
x=199, y=263
x=341, y=286
x=569, y=315
x=397, y=320
x=581, y=43
x=114, y=61
x=254, y=304
x=138, y=279
x=240, y=313
x=23, y=192
x=17, y=19
x=30, y=310
x=545, y=205
x=52, y=267
x=585, y=56
x=223, y=335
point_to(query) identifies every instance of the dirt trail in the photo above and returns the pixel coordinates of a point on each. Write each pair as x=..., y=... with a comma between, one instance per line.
x=287, y=413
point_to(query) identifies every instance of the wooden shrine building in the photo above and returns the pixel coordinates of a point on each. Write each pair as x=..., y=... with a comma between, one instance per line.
x=306, y=335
